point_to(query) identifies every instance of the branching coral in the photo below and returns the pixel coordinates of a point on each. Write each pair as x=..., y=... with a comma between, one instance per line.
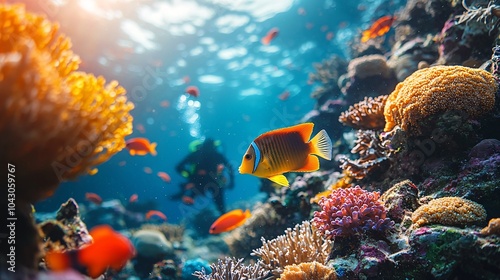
x=308, y=271
x=298, y=245
x=57, y=123
x=489, y=15
x=367, y=114
x=437, y=90
x=453, y=211
x=233, y=269
x=372, y=153
x=349, y=211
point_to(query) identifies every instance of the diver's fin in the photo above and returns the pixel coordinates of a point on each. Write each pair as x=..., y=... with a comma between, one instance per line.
x=280, y=180
x=311, y=164
x=321, y=145
x=152, y=149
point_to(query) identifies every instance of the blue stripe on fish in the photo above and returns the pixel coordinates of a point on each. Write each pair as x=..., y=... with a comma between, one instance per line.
x=257, y=156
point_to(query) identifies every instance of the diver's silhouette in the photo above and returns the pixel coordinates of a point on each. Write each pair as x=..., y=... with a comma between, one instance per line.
x=204, y=169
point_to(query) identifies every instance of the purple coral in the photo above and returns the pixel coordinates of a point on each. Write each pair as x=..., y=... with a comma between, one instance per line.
x=349, y=211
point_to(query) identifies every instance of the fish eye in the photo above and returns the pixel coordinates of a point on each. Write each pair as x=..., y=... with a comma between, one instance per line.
x=248, y=156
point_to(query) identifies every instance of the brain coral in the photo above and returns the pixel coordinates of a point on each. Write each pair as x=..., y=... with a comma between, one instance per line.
x=56, y=123
x=349, y=211
x=439, y=89
x=453, y=211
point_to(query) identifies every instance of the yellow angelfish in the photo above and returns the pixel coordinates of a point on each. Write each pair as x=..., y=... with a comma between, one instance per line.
x=284, y=150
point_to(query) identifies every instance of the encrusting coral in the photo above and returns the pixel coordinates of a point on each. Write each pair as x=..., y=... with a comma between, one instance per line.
x=453, y=211
x=439, y=89
x=56, y=123
x=492, y=228
x=308, y=271
x=301, y=244
x=350, y=211
x=366, y=114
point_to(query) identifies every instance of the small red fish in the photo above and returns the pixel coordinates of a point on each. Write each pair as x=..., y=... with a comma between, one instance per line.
x=147, y=170
x=284, y=96
x=193, y=91
x=229, y=221
x=165, y=104
x=188, y=200
x=186, y=79
x=133, y=198
x=164, y=176
x=266, y=40
x=140, y=146
x=157, y=213
x=378, y=28
x=109, y=249
x=220, y=168
x=94, y=198
x=329, y=36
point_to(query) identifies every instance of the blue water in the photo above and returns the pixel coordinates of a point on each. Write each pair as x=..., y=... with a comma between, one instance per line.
x=149, y=47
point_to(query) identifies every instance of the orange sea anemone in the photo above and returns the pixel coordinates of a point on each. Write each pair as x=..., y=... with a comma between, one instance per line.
x=56, y=123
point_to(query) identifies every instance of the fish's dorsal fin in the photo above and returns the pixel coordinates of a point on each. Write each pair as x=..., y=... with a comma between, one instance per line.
x=321, y=145
x=304, y=129
x=311, y=164
x=280, y=180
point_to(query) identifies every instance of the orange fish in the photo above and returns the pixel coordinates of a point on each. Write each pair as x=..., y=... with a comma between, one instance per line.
x=140, y=146
x=165, y=104
x=187, y=200
x=284, y=150
x=157, y=213
x=378, y=28
x=109, y=249
x=193, y=91
x=94, y=198
x=164, y=176
x=266, y=40
x=229, y=221
x=133, y=198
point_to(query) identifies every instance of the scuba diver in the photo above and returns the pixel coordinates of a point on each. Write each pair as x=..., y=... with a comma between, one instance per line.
x=205, y=169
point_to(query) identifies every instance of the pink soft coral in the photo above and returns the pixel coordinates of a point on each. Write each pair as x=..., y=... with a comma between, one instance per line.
x=350, y=211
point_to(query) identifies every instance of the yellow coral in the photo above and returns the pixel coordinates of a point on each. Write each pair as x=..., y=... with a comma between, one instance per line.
x=301, y=244
x=308, y=271
x=453, y=211
x=439, y=89
x=56, y=123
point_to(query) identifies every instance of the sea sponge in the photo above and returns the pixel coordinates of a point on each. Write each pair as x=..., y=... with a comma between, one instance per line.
x=452, y=211
x=369, y=66
x=437, y=90
x=308, y=271
x=56, y=123
x=492, y=228
x=300, y=244
x=349, y=211
x=366, y=114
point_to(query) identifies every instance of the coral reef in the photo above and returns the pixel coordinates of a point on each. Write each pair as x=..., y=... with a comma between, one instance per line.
x=327, y=73
x=453, y=211
x=372, y=155
x=366, y=114
x=152, y=247
x=350, y=211
x=231, y=268
x=298, y=245
x=437, y=90
x=308, y=271
x=400, y=200
x=410, y=56
x=58, y=123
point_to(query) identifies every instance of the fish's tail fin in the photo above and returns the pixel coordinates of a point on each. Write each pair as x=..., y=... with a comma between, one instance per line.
x=58, y=261
x=247, y=213
x=153, y=149
x=322, y=145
